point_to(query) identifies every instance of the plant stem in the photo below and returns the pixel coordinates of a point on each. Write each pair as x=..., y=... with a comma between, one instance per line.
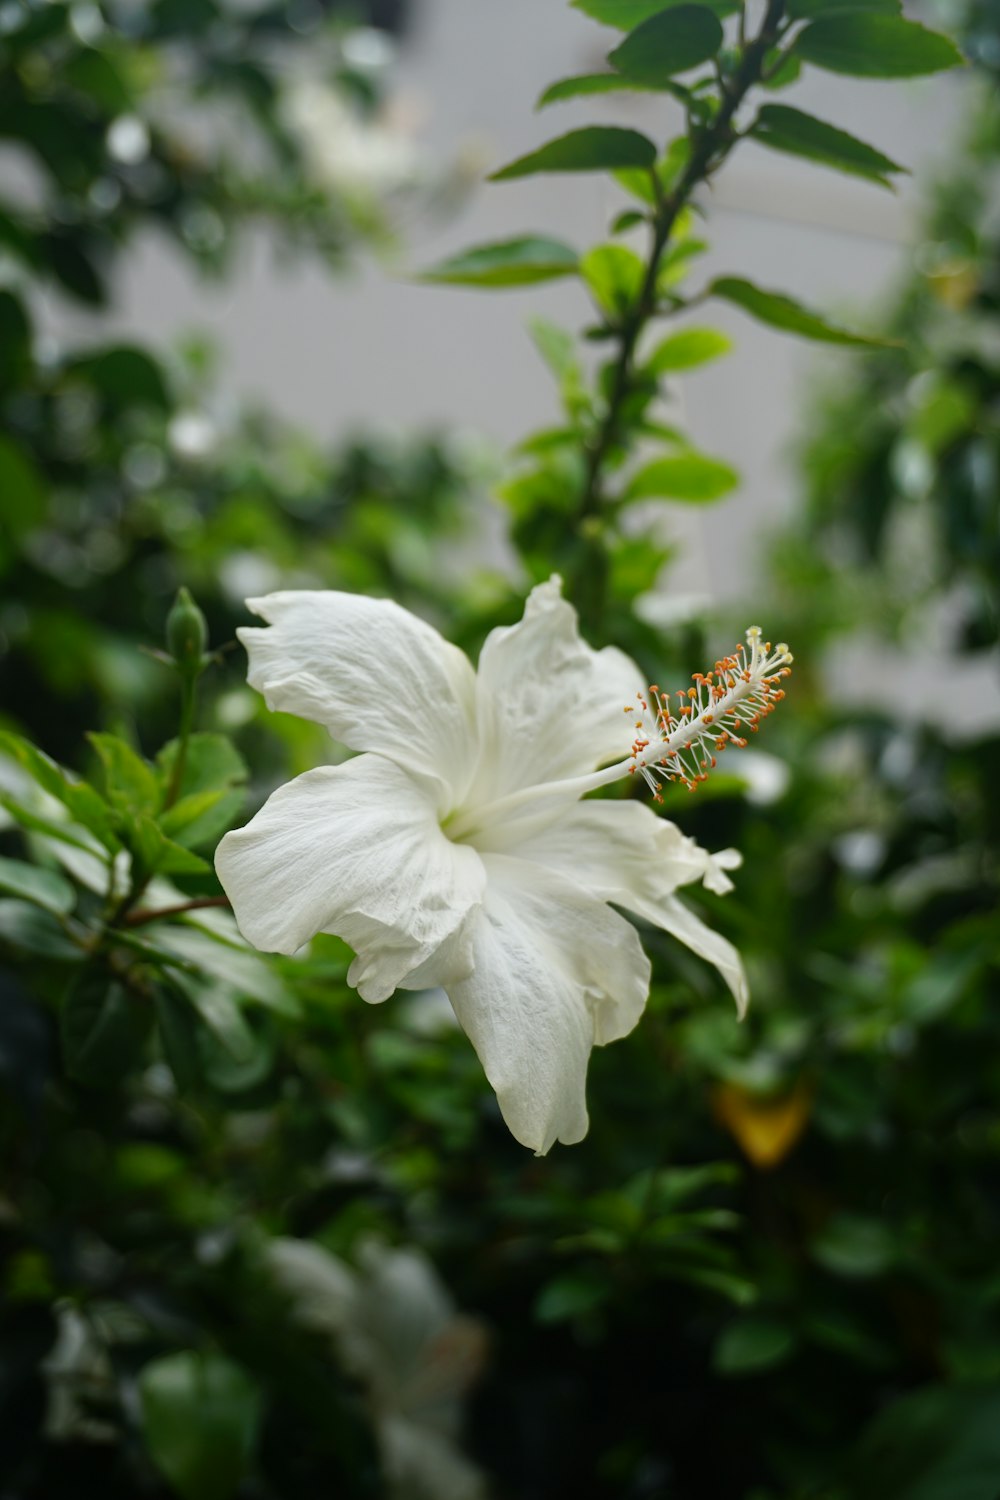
x=711, y=147
x=189, y=690
x=143, y=915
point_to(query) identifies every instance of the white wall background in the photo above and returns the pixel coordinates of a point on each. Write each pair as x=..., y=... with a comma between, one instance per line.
x=380, y=349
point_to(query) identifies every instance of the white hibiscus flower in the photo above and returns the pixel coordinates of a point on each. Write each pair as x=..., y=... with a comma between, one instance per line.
x=456, y=852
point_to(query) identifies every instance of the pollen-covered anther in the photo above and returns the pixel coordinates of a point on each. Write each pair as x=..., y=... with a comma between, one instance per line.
x=722, y=707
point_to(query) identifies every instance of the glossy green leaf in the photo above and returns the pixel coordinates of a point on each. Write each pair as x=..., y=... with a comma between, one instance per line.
x=587, y=84
x=35, y=930
x=129, y=783
x=199, y=1420
x=615, y=276
x=520, y=262
x=751, y=1344
x=82, y=801
x=212, y=789
x=853, y=1246
x=798, y=134
x=595, y=148
x=875, y=46
x=687, y=350
x=684, y=476
x=627, y=14
x=779, y=311
x=103, y=1028
x=669, y=43
x=45, y=888
x=809, y=10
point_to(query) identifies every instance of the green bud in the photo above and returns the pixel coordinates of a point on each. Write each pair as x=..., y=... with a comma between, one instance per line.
x=187, y=633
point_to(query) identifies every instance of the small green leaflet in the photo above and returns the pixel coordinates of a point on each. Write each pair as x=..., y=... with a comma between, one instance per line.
x=596, y=83
x=753, y=1343
x=684, y=476
x=798, y=134
x=875, y=46
x=518, y=262
x=595, y=148
x=785, y=313
x=668, y=43
x=627, y=14
x=687, y=350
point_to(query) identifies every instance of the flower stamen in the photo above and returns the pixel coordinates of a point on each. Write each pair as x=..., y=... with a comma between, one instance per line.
x=740, y=691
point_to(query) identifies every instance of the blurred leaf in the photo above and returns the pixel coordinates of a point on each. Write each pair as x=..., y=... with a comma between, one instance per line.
x=752, y=1344
x=854, y=1246
x=595, y=148
x=938, y=1443
x=199, y=1419
x=178, y=1034
x=43, y=888
x=571, y=1295
x=82, y=801
x=687, y=350
x=615, y=276
x=807, y=10
x=222, y=1015
x=668, y=43
x=875, y=46
x=103, y=1029
x=520, y=262
x=627, y=14
x=36, y=930
x=785, y=313
x=125, y=376
x=798, y=134
x=24, y=491
x=686, y=476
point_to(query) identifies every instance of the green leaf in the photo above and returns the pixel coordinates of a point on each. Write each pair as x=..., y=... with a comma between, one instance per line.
x=221, y=1013
x=586, y=84
x=787, y=72
x=24, y=492
x=102, y=1027
x=83, y=802
x=875, y=46
x=129, y=783
x=153, y=852
x=856, y=1247
x=687, y=350
x=615, y=276
x=571, y=1295
x=751, y=1344
x=668, y=43
x=45, y=888
x=199, y=1419
x=178, y=1034
x=779, y=311
x=685, y=476
x=627, y=14
x=938, y=1443
x=211, y=790
x=125, y=377
x=798, y=134
x=595, y=148
x=808, y=10
x=36, y=930
x=519, y=262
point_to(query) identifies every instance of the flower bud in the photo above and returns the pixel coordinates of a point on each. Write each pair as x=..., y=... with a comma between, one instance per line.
x=187, y=633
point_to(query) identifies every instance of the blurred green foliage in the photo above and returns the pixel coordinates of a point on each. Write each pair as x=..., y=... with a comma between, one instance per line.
x=770, y=1270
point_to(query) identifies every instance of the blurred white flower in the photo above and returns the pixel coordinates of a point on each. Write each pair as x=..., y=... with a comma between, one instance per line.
x=394, y=1326
x=457, y=852
x=365, y=158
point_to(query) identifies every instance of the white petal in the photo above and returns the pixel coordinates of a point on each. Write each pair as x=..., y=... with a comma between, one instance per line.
x=555, y=972
x=355, y=850
x=549, y=706
x=376, y=676
x=623, y=852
